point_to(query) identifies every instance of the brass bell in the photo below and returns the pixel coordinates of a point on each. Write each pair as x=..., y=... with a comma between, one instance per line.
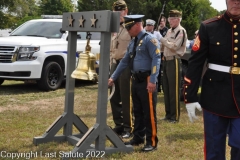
x=86, y=69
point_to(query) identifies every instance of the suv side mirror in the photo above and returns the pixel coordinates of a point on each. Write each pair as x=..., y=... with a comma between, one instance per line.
x=62, y=31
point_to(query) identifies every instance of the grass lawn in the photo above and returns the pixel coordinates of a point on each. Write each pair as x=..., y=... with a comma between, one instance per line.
x=26, y=112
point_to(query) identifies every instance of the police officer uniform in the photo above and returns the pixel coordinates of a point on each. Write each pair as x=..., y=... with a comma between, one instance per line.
x=174, y=44
x=218, y=43
x=120, y=101
x=144, y=67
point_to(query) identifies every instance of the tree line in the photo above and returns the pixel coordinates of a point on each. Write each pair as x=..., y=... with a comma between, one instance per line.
x=15, y=12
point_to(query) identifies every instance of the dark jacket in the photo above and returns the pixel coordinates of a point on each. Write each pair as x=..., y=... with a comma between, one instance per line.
x=219, y=43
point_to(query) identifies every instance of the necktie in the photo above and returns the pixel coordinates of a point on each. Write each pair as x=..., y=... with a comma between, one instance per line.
x=133, y=53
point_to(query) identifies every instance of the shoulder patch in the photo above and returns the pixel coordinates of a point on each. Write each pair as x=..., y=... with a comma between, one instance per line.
x=154, y=41
x=212, y=19
x=196, y=44
x=158, y=51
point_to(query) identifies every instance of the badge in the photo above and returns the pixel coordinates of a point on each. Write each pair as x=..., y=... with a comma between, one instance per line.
x=154, y=41
x=196, y=44
x=140, y=43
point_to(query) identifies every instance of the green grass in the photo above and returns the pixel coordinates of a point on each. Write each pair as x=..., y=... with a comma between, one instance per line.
x=26, y=112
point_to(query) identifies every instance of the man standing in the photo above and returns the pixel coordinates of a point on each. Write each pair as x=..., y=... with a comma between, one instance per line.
x=143, y=57
x=162, y=26
x=192, y=41
x=150, y=29
x=120, y=101
x=163, y=31
x=218, y=43
x=174, y=44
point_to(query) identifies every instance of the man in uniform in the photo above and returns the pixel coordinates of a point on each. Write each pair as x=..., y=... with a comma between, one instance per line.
x=143, y=58
x=162, y=26
x=150, y=28
x=163, y=31
x=120, y=101
x=174, y=44
x=218, y=43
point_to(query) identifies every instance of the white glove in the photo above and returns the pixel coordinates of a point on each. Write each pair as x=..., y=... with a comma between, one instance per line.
x=191, y=110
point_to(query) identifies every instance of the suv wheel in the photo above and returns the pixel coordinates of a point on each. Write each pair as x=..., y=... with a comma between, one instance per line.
x=52, y=76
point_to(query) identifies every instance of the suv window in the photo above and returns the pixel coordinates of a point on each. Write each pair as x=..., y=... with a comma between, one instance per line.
x=94, y=36
x=39, y=29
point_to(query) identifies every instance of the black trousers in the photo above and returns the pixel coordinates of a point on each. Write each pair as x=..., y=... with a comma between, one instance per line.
x=144, y=103
x=120, y=102
x=171, y=86
x=160, y=87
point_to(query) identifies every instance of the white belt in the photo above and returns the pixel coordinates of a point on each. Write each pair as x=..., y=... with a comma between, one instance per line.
x=227, y=69
x=217, y=67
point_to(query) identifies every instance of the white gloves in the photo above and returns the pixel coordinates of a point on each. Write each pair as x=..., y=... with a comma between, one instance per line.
x=191, y=110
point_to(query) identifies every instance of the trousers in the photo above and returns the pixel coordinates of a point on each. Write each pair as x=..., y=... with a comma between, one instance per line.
x=171, y=86
x=144, y=103
x=120, y=102
x=216, y=131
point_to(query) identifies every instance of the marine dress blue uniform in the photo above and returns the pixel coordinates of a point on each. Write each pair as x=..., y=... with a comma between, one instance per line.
x=145, y=69
x=218, y=43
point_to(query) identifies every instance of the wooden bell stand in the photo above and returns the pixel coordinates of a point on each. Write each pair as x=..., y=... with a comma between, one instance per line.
x=94, y=21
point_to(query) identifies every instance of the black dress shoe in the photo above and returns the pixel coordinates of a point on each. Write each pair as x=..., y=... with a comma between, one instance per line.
x=148, y=148
x=172, y=121
x=126, y=135
x=118, y=131
x=134, y=142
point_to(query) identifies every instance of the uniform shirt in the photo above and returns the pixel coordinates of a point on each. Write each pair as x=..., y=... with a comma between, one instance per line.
x=174, y=45
x=157, y=35
x=147, y=57
x=218, y=43
x=119, y=43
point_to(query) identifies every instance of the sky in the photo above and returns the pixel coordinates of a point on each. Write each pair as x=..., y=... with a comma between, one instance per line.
x=218, y=4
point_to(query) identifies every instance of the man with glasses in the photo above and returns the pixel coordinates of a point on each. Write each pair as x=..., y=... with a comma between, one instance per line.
x=143, y=58
x=218, y=43
x=174, y=44
x=120, y=101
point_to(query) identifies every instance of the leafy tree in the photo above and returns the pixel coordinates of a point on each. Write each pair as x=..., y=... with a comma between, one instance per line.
x=94, y=5
x=3, y=17
x=22, y=8
x=55, y=7
x=14, y=12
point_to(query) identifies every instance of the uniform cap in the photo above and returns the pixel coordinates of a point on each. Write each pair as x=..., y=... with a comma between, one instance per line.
x=175, y=13
x=150, y=22
x=119, y=5
x=130, y=20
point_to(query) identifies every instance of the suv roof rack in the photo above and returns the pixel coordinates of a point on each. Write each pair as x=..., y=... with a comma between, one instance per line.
x=51, y=16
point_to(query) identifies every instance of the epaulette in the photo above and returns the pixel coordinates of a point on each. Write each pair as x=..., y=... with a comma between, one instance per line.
x=212, y=19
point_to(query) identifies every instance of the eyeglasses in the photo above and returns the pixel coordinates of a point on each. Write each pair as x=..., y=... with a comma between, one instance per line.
x=149, y=25
x=171, y=19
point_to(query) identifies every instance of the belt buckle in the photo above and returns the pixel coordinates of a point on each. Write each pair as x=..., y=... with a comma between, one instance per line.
x=235, y=70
